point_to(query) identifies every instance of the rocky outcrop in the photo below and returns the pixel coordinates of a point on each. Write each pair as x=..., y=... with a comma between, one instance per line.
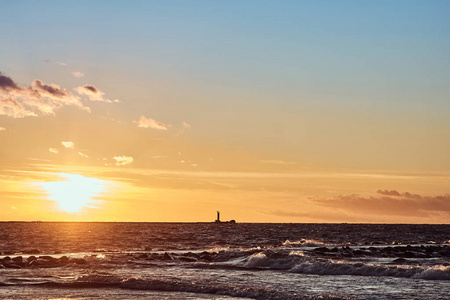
x=44, y=261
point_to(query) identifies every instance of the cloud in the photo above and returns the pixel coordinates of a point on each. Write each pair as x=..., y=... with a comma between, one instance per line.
x=12, y=108
x=83, y=155
x=389, y=193
x=277, y=162
x=391, y=203
x=123, y=160
x=396, y=193
x=54, y=92
x=324, y=215
x=69, y=145
x=34, y=100
x=184, y=127
x=93, y=93
x=150, y=123
x=78, y=74
x=62, y=64
x=53, y=150
x=7, y=84
x=2, y=128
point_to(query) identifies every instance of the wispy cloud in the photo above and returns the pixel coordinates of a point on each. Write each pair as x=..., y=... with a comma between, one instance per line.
x=53, y=150
x=12, y=108
x=277, y=162
x=69, y=144
x=123, y=160
x=390, y=203
x=398, y=194
x=325, y=215
x=78, y=74
x=34, y=100
x=2, y=128
x=83, y=155
x=184, y=126
x=93, y=93
x=59, y=63
x=150, y=123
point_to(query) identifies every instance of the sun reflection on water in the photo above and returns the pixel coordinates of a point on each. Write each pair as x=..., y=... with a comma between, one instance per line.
x=75, y=192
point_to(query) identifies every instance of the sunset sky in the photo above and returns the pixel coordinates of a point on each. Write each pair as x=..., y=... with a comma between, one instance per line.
x=269, y=111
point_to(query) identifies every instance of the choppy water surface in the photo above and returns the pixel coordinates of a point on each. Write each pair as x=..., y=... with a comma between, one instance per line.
x=223, y=261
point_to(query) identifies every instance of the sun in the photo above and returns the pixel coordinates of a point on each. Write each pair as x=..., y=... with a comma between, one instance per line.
x=74, y=192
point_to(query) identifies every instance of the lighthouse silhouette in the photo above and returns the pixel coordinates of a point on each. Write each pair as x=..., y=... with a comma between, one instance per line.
x=225, y=222
x=218, y=217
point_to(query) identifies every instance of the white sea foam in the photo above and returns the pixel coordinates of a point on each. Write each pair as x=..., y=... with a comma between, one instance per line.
x=261, y=260
x=300, y=264
x=361, y=269
x=439, y=272
x=305, y=243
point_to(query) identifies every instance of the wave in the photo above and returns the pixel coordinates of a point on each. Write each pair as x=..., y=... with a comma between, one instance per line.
x=295, y=263
x=176, y=284
x=439, y=272
x=305, y=243
x=421, y=262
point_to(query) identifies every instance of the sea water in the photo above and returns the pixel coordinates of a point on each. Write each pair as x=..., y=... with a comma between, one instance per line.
x=40, y=260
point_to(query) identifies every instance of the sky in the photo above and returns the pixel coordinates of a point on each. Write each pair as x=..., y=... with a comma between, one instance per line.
x=268, y=111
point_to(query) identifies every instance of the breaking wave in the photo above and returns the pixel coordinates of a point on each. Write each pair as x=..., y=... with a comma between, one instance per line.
x=318, y=266
x=305, y=243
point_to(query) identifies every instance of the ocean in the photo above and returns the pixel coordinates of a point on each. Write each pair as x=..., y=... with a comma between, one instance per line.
x=70, y=260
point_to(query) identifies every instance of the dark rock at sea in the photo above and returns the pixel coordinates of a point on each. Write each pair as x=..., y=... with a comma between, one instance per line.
x=7, y=262
x=187, y=259
x=206, y=256
x=32, y=251
x=321, y=249
x=45, y=257
x=409, y=254
x=31, y=258
x=79, y=261
x=11, y=265
x=64, y=259
x=276, y=255
x=167, y=256
x=400, y=261
x=18, y=259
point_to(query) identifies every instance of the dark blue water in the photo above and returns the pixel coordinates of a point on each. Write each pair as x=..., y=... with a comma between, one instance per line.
x=219, y=261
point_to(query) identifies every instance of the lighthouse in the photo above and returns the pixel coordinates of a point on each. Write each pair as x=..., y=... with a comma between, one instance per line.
x=225, y=222
x=218, y=217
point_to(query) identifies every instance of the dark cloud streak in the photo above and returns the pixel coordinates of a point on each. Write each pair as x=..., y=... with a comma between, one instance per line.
x=7, y=84
x=91, y=88
x=390, y=203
